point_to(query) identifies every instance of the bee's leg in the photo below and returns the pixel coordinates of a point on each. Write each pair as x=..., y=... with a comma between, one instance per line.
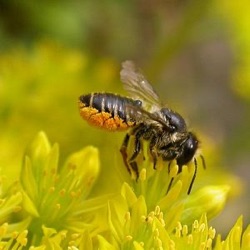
x=134, y=166
x=170, y=184
x=123, y=151
x=194, y=176
x=137, y=148
x=131, y=165
x=169, y=165
x=153, y=152
x=154, y=157
x=179, y=169
x=138, y=132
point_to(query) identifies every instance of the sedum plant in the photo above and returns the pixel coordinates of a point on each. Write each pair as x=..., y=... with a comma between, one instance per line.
x=52, y=207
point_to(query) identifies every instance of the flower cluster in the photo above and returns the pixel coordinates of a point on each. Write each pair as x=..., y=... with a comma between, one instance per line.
x=52, y=207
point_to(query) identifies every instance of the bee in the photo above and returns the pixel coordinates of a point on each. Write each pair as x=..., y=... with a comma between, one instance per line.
x=146, y=118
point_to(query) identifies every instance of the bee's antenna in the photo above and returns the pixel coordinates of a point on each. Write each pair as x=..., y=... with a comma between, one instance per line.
x=194, y=176
x=203, y=161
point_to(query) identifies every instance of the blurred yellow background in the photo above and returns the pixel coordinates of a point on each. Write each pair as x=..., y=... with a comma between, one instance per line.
x=195, y=53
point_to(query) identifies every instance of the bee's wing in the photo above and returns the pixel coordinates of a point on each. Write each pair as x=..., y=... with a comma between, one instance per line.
x=138, y=86
x=139, y=114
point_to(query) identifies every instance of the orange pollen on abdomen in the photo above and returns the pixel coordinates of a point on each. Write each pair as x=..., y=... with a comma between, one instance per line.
x=103, y=119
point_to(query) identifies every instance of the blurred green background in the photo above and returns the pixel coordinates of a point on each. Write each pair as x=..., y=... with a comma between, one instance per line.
x=195, y=53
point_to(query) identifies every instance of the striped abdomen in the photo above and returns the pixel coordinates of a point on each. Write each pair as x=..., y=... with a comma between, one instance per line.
x=107, y=110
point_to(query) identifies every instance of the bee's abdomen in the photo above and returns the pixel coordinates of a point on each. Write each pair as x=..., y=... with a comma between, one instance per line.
x=107, y=110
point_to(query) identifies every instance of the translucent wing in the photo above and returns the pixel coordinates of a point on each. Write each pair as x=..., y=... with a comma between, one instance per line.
x=138, y=86
x=139, y=114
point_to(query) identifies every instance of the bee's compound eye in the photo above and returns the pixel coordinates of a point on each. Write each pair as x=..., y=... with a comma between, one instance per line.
x=188, y=151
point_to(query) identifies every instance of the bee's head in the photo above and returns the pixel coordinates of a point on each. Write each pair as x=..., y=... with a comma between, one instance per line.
x=176, y=121
x=189, y=148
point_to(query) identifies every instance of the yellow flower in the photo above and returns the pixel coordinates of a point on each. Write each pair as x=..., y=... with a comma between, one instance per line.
x=52, y=208
x=146, y=216
x=57, y=198
x=236, y=239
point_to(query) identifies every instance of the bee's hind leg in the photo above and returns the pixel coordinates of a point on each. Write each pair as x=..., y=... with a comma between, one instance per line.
x=124, y=153
x=131, y=165
x=134, y=166
x=137, y=150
